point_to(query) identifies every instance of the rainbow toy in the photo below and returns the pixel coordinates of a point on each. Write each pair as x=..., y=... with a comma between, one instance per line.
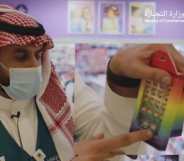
x=160, y=109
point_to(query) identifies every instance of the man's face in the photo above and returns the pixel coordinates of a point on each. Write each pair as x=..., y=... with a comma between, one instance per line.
x=19, y=57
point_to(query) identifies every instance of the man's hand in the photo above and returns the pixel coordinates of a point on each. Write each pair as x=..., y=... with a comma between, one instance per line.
x=134, y=63
x=100, y=148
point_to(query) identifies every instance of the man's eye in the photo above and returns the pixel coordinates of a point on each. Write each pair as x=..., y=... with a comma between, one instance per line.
x=21, y=55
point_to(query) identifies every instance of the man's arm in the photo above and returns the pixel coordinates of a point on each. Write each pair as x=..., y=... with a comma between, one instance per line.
x=92, y=118
x=114, y=118
x=133, y=62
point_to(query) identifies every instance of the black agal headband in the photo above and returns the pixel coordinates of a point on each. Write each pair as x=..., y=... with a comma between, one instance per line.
x=21, y=30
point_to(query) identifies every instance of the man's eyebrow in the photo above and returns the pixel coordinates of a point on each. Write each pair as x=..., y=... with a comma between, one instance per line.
x=19, y=49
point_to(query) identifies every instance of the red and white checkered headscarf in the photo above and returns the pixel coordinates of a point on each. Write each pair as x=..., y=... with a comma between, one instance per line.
x=55, y=107
x=10, y=16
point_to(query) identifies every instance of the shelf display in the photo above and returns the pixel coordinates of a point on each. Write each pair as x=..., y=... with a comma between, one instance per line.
x=63, y=57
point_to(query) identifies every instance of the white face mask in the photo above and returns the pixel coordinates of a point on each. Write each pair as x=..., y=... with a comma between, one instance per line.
x=25, y=83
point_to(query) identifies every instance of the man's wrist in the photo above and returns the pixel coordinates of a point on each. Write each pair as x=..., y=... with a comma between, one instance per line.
x=122, y=85
x=121, y=80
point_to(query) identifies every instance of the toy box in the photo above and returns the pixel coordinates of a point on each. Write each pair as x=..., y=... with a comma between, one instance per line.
x=159, y=109
x=178, y=125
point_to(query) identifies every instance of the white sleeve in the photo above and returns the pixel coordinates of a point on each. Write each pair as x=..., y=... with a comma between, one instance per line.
x=92, y=116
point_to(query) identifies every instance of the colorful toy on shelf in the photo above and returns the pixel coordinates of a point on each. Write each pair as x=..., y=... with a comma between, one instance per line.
x=160, y=109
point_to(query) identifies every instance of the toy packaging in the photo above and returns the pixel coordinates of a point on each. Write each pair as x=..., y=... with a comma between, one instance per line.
x=160, y=109
x=178, y=125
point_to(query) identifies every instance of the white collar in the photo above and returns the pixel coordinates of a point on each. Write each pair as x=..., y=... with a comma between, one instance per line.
x=13, y=106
